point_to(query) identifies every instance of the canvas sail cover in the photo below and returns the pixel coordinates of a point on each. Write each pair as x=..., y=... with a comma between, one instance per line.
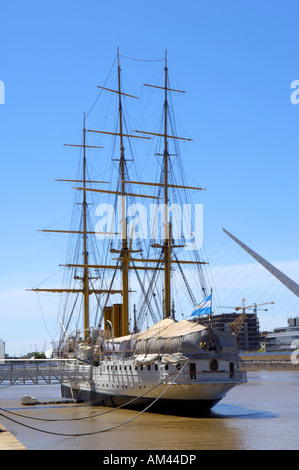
x=179, y=339
x=183, y=339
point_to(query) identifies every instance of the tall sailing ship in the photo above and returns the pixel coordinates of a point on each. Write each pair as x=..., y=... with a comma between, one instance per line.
x=171, y=364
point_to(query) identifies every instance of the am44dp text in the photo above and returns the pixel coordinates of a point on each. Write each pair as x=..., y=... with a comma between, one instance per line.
x=181, y=459
x=152, y=459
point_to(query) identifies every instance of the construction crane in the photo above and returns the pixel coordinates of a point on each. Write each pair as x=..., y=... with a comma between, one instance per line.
x=236, y=325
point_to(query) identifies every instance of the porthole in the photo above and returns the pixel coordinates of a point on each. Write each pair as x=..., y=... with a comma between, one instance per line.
x=213, y=365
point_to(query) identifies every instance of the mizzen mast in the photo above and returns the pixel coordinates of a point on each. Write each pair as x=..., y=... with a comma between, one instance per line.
x=167, y=245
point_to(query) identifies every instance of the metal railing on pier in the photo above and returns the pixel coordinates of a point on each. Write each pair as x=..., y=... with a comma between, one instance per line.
x=41, y=371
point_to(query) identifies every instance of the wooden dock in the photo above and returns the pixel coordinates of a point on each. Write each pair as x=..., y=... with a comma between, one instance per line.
x=8, y=441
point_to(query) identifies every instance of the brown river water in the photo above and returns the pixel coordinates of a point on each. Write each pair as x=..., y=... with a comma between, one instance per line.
x=260, y=415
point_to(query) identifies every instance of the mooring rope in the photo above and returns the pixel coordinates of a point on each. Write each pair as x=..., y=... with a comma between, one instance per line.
x=95, y=415
x=112, y=427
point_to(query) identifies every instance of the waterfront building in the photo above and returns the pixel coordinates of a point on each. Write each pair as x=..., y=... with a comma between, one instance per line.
x=284, y=338
x=248, y=335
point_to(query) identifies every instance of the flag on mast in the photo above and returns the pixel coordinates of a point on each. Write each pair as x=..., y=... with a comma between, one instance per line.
x=203, y=308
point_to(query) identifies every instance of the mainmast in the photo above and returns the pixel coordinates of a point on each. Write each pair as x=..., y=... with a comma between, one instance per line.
x=85, y=251
x=167, y=234
x=125, y=251
x=124, y=254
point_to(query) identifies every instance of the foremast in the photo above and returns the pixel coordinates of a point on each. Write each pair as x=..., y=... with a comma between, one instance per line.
x=86, y=290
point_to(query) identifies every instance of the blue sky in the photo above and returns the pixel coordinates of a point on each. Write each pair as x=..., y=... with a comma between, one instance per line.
x=236, y=60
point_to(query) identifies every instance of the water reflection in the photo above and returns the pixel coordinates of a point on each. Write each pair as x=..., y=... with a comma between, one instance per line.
x=227, y=411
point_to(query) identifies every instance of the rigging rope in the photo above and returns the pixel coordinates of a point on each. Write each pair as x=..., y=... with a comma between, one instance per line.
x=142, y=60
x=93, y=105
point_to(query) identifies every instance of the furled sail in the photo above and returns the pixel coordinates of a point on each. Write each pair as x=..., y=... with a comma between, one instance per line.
x=289, y=283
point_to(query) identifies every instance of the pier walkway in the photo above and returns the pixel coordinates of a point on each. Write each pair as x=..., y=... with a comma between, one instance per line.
x=40, y=371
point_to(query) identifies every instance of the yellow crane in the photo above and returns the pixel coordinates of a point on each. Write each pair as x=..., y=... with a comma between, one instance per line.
x=236, y=325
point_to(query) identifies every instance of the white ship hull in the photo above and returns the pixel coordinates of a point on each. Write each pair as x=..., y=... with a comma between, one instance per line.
x=176, y=388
